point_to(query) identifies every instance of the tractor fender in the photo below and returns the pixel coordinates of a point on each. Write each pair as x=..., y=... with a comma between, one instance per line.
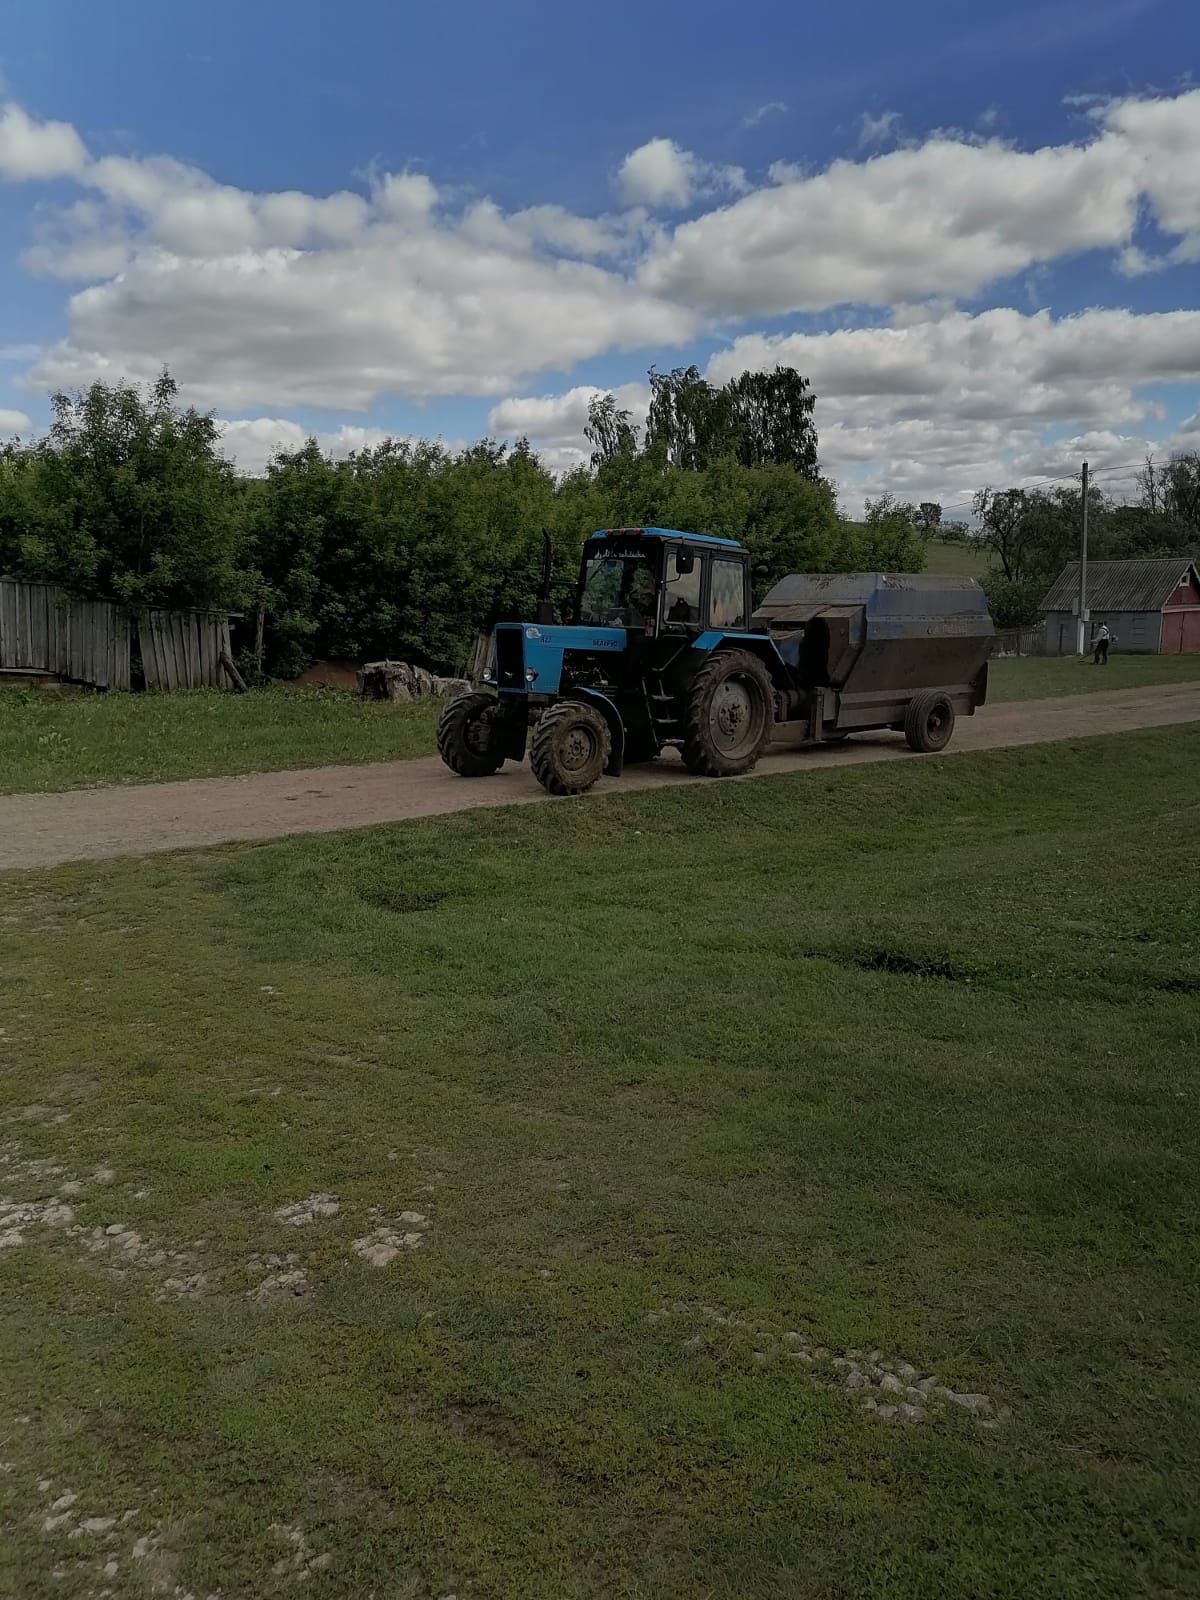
x=758, y=644
x=616, y=726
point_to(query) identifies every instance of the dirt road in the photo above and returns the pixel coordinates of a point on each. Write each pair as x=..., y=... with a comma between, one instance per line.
x=88, y=824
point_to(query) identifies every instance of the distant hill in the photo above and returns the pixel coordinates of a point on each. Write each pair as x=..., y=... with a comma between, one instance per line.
x=969, y=560
x=962, y=560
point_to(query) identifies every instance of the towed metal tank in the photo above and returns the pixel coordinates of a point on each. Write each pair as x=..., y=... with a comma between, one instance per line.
x=863, y=646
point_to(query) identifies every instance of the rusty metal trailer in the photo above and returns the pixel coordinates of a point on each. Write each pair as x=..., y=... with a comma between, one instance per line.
x=878, y=650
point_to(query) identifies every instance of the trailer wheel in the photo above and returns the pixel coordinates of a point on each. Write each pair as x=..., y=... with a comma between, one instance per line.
x=729, y=714
x=929, y=722
x=570, y=747
x=466, y=736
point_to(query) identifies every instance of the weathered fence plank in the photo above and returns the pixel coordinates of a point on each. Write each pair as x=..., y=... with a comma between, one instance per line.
x=182, y=649
x=44, y=630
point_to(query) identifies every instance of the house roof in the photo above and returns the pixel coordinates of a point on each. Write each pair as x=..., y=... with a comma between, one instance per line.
x=1120, y=585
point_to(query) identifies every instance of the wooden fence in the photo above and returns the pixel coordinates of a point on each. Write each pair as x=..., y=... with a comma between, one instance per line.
x=183, y=649
x=1020, y=641
x=46, y=633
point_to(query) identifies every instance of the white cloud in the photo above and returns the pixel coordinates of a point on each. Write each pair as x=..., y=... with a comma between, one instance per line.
x=877, y=130
x=761, y=113
x=948, y=216
x=251, y=442
x=14, y=422
x=936, y=408
x=269, y=301
x=422, y=312
x=1164, y=136
x=661, y=174
x=30, y=150
x=292, y=299
x=943, y=218
x=554, y=423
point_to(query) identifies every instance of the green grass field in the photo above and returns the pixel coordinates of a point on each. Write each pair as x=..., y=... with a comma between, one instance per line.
x=81, y=740
x=73, y=741
x=687, y=1096
x=969, y=560
x=1046, y=677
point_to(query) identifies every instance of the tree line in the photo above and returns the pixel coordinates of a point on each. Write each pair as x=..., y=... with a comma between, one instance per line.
x=409, y=549
x=1032, y=533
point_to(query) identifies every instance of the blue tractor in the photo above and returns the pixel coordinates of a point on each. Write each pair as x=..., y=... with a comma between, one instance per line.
x=664, y=650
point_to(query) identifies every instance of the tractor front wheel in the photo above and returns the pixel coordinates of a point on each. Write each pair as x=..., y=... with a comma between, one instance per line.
x=570, y=746
x=466, y=736
x=729, y=713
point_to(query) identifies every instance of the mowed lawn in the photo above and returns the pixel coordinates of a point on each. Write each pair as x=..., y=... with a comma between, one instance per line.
x=656, y=1110
x=83, y=740
x=79, y=739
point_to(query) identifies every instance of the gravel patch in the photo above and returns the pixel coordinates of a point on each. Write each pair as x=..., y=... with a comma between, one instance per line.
x=301, y=1212
x=381, y=1247
x=290, y=1284
x=888, y=1388
x=298, y=1562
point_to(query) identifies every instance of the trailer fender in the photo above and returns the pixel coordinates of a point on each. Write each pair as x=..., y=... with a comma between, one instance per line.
x=616, y=725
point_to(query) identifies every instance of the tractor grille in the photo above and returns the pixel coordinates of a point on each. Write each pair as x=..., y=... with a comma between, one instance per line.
x=510, y=659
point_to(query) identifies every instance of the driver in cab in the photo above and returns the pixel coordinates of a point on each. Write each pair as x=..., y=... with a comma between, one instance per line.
x=637, y=597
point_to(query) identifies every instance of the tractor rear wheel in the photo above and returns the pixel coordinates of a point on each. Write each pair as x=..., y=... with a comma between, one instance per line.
x=570, y=746
x=729, y=713
x=929, y=722
x=466, y=736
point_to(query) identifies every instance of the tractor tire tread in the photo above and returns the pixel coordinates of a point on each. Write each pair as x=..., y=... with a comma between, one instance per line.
x=543, y=753
x=452, y=737
x=698, y=753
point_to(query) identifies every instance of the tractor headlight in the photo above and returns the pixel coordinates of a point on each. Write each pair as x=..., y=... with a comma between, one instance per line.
x=530, y=675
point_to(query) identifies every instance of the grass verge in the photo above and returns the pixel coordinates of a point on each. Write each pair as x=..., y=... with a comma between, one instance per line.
x=1045, y=677
x=83, y=740
x=682, y=1086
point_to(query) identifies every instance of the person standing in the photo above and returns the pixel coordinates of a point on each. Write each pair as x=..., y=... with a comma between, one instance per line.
x=1101, y=640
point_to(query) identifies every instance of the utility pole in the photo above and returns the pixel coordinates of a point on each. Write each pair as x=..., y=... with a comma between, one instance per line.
x=1083, y=568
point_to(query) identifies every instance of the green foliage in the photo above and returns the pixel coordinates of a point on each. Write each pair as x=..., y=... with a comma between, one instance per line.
x=759, y=419
x=1013, y=602
x=1033, y=533
x=405, y=549
x=127, y=497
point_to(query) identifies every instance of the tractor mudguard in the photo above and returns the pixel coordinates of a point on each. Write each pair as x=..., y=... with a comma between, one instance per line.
x=759, y=644
x=616, y=726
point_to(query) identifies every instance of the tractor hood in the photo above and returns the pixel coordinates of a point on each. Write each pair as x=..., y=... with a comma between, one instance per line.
x=523, y=649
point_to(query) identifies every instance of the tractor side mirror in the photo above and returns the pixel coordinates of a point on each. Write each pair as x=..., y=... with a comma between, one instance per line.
x=685, y=561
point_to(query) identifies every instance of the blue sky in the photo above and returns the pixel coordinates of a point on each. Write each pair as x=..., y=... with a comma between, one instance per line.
x=978, y=231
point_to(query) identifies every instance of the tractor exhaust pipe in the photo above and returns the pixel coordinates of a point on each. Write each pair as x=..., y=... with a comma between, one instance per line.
x=545, y=606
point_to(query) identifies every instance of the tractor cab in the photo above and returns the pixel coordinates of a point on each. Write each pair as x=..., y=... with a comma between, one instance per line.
x=660, y=583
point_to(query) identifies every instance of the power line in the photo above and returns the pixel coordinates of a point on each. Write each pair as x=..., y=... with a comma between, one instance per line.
x=1053, y=477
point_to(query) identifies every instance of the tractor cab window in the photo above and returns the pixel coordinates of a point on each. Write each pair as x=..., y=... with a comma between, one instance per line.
x=618, y=591
x=682, y=603
x=727, y=602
